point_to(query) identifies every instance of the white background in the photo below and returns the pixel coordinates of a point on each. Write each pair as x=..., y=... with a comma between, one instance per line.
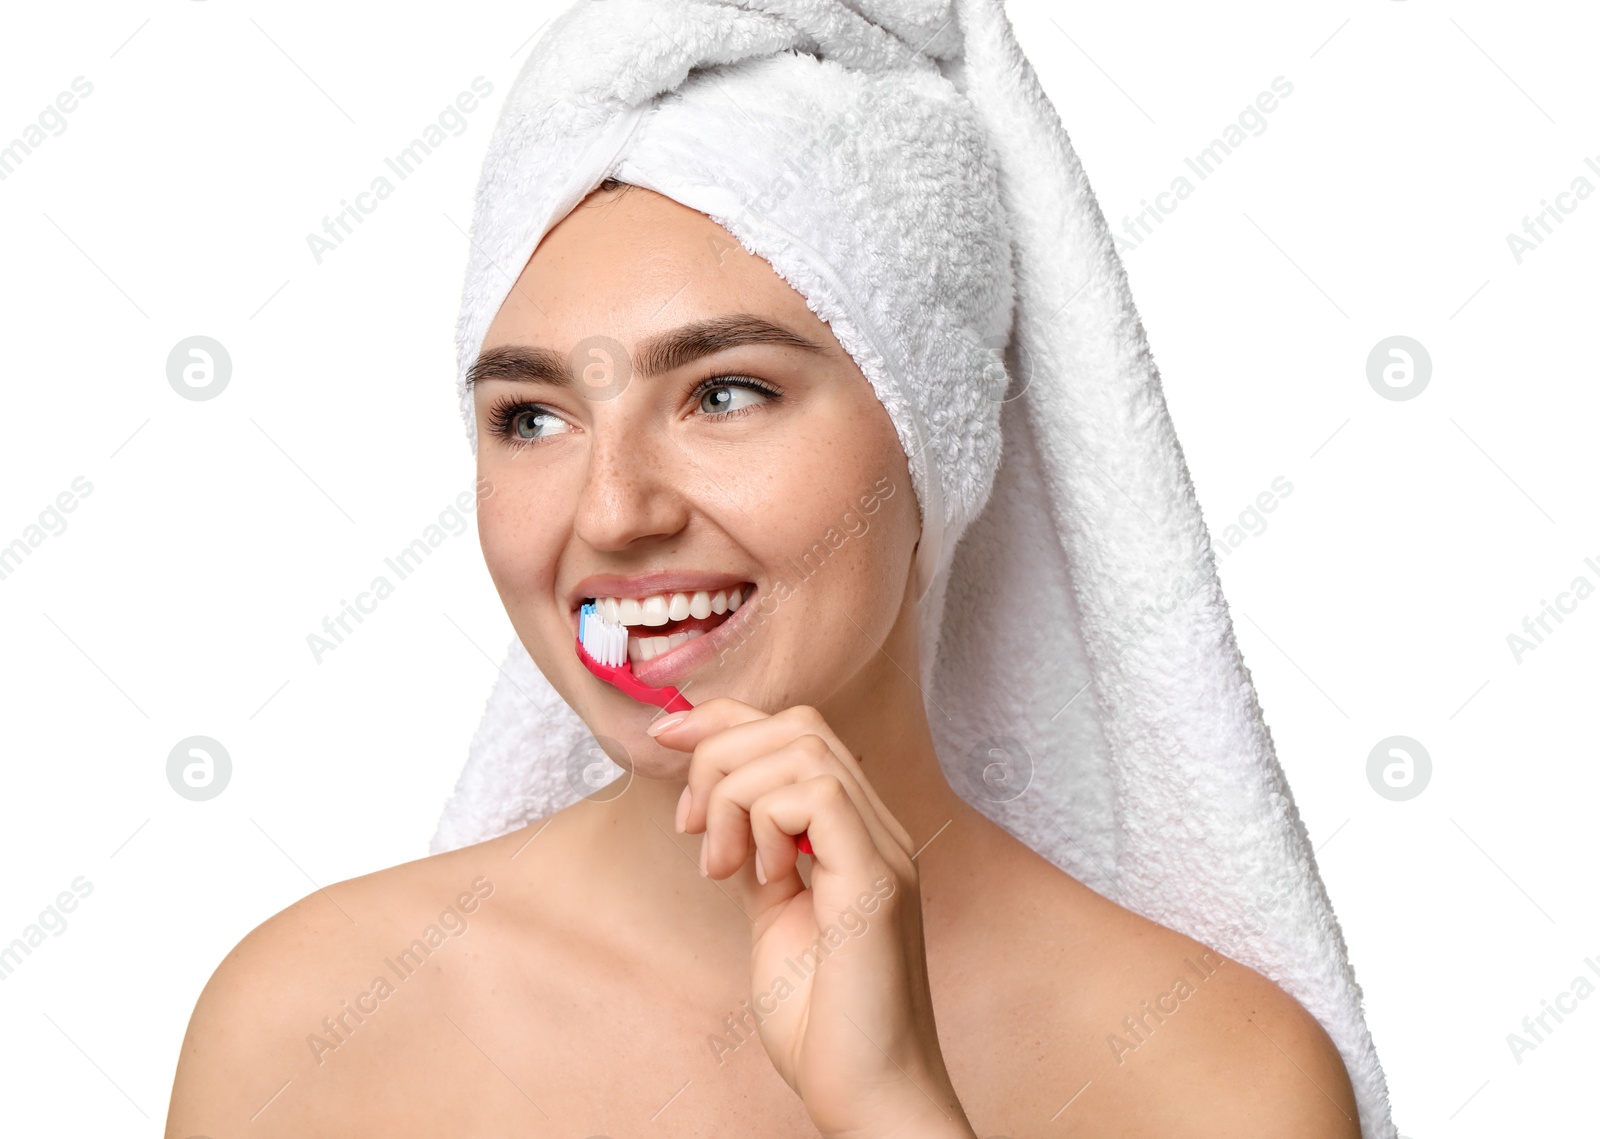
x=218, y=534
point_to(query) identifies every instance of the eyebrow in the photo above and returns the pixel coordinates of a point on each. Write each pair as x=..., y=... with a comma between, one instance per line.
x=665, y=352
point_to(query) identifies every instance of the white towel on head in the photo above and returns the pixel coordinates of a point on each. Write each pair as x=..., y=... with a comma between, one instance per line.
x=936, y=213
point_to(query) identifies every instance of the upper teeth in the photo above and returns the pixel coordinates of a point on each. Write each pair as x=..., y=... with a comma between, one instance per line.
x=664, y=607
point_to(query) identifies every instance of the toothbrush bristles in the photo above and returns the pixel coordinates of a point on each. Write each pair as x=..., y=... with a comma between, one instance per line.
x=605, y=641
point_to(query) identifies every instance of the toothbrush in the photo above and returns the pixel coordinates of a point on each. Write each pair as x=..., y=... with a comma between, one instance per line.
x=603, y=649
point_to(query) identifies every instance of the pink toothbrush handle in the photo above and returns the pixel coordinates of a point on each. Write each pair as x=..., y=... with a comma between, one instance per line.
x=667, y=697
x=621, y=676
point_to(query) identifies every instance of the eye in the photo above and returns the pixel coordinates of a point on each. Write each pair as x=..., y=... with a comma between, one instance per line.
x=520, y=423
x=724, y=395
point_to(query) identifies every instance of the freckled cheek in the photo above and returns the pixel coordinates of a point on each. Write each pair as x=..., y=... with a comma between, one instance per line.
x=822, y=523
x=819, y=472
x=790, y=506
x=518, y=539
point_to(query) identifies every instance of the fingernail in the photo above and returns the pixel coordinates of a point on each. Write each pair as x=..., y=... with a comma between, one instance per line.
x=761, y=875
x=661, y=725
x=681, y=819
x=703, y=871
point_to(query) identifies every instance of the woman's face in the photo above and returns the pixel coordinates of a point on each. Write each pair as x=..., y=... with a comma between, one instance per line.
x=659, y=414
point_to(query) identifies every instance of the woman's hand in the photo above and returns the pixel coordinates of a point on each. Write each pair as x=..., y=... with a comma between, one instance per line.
x=839, y=970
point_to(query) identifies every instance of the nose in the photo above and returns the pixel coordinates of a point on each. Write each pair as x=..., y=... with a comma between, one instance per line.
x=633, y=487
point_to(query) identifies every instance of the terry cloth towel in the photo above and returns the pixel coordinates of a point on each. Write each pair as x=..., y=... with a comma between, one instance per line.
x=898, y=164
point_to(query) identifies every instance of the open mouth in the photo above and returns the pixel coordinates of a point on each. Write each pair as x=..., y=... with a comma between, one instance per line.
x=665, y=621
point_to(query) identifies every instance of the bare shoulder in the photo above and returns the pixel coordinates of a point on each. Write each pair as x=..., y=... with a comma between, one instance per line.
x=1164, y=1034
x=1229, y=1051
x=298, y=1023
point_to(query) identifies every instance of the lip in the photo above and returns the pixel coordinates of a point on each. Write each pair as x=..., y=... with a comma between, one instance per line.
x=674, y=664
x=650, y=584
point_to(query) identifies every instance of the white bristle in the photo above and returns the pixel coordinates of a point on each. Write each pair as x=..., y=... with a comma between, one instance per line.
x=604, y=640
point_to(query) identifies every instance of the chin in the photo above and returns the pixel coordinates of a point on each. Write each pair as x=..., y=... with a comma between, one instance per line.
x=624, y=742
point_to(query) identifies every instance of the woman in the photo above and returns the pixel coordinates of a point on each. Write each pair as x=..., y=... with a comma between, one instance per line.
x=580, y=976
x=590, y=989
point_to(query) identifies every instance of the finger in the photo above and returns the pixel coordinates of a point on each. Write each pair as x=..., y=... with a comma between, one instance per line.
x=725, y=802
x=681, y=731
x=728, y=803
x=723, y=752
x=823, y=808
